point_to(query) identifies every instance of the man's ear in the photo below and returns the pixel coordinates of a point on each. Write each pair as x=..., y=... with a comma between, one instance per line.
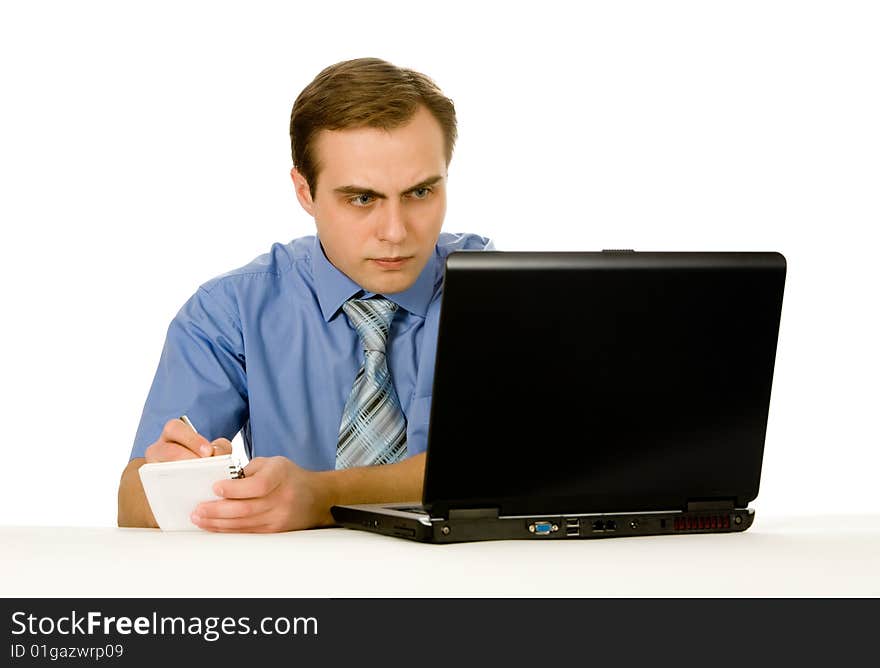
x=303, y=192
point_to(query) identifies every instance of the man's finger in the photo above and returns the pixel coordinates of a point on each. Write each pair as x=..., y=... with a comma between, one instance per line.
x=177, y=431
x=232, y=508
x=255, y=465
x=257, y=528
x=163, y=451
x=260, y=480
x=258, y=523
x=222, y=446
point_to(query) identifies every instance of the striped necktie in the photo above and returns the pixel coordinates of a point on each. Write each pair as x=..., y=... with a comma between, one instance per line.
x=373, y=429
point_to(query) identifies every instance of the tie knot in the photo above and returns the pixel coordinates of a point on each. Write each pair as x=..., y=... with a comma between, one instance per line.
x=372, y=320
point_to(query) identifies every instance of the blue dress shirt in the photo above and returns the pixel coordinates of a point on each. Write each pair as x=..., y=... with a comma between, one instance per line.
x=266, y=350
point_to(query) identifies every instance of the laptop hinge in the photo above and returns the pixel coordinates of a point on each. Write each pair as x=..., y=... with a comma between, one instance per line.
x=473, y=513
x=716, y=504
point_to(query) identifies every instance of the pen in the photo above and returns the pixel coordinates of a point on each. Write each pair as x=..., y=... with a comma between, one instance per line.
x=185, y=420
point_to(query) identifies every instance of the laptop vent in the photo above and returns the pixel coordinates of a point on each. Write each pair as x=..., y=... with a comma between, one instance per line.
x=697, y=522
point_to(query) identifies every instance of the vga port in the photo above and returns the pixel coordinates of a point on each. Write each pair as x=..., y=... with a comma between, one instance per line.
x=542, y=528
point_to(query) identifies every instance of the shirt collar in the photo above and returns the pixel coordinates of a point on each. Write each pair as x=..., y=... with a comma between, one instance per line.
x=335, y=288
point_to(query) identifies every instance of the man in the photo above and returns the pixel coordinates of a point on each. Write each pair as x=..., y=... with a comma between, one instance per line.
x=321, y=350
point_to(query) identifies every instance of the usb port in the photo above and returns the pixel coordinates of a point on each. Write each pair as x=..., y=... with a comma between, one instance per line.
x=572, y=526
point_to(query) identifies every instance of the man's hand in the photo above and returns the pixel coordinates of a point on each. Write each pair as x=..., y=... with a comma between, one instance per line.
x=274, y=495
x=179, y=441
x=278, y=495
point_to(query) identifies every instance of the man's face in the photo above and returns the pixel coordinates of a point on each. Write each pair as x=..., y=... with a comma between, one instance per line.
x=380, y=200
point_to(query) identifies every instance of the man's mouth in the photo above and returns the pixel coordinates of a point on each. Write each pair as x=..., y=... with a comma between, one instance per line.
x=391, y=262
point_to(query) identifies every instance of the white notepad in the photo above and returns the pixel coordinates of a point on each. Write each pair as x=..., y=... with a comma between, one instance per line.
x=174, y=489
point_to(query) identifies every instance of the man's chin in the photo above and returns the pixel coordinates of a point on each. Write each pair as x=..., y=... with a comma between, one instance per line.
x=389, y=282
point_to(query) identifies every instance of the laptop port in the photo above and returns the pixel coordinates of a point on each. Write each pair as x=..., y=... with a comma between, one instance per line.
x=542, y=528
x=598, y=525
x=572, y=526
x=611, y=525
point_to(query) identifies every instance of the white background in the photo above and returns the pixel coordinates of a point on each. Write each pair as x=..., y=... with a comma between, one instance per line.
x=144, y=149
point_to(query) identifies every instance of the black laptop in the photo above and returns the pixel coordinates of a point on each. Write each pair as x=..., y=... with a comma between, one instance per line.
x=591, y=395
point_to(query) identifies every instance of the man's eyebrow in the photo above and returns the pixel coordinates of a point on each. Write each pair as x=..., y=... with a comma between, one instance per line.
x=430, y=181
x=358, y=190
x=361, y=190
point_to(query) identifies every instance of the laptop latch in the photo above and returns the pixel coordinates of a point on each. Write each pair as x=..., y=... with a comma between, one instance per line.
x=715, y=504
x=473, y=513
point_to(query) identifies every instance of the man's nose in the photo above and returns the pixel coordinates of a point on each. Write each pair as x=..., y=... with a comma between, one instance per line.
x=391, y=226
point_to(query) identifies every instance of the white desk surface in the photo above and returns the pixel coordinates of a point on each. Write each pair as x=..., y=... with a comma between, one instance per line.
x=778, y=557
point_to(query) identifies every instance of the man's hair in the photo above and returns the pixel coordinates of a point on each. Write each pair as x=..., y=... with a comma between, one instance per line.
x=365, y=92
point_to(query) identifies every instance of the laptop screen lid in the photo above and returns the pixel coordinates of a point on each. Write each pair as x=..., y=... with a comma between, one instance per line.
x=601, y=382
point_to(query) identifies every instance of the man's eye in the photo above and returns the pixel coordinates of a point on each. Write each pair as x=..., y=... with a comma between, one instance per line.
x=361, y=200
x=420, y=193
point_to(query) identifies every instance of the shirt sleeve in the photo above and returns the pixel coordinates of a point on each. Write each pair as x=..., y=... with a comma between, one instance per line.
x=201, y=374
